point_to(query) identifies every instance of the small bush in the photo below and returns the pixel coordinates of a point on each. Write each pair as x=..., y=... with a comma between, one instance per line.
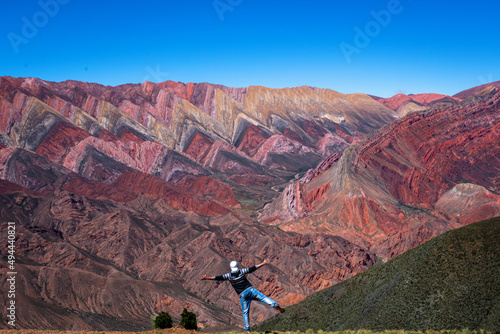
x=188, y=320
x=162, y=320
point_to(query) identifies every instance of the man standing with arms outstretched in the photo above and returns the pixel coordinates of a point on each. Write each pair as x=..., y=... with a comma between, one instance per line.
x=244, y=289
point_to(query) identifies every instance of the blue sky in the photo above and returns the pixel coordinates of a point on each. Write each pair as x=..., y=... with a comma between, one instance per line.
x=374, y=47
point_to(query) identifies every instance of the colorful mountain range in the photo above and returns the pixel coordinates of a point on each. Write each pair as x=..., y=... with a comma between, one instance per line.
x=123, y=197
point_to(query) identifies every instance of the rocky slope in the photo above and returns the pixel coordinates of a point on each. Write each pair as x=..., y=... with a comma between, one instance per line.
x=124, y=196
x=418, y=177
x=86, y=263
x=475, y=90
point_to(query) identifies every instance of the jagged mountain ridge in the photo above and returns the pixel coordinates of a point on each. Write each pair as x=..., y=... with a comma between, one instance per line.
x=171, y=112
x=404, y=104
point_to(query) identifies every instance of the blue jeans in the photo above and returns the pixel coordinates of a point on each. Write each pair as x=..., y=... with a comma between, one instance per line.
x=246, y=298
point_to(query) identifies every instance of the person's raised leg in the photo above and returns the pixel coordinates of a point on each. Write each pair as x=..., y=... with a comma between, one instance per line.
x=257, y=295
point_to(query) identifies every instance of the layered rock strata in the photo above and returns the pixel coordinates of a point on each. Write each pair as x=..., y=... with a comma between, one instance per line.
x=422, y=175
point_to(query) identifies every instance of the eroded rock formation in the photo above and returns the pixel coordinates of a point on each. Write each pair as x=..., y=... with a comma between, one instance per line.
x=422, y=175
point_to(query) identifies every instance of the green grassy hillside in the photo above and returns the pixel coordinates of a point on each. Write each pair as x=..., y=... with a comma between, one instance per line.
x=450, y=282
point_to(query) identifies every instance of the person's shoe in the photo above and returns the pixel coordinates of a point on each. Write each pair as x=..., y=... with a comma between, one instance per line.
x=279, y=308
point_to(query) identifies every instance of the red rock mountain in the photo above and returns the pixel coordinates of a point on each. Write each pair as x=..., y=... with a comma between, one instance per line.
x=404, y=104
x=475, y=90
x=416, y=178
x=123, y=197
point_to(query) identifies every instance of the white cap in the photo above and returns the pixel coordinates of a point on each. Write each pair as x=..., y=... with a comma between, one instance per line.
x=234, y=265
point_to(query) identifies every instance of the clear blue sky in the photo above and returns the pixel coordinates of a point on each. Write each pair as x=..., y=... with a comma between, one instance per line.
x=421, y=46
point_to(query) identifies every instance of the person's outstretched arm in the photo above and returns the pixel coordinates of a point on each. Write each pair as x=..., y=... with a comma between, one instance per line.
x=266, y=261
x=255, y=267
x=215, y=278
